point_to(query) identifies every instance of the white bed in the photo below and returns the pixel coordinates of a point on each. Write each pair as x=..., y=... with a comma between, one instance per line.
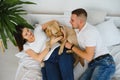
x=107, y=25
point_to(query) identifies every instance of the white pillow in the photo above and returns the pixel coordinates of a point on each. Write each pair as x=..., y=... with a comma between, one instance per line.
x=67, y=15
x=117, y=22
x=96, y=16
x=109, y=33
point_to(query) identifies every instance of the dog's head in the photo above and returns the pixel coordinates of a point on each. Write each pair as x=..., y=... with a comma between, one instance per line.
x=53, y=28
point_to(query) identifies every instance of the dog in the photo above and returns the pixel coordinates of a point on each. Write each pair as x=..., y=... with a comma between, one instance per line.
x=54, y=28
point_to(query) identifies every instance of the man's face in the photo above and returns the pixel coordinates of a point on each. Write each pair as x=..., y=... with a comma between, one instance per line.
x=74, y=21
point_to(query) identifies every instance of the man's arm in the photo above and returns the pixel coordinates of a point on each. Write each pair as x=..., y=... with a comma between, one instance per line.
x=86, y=54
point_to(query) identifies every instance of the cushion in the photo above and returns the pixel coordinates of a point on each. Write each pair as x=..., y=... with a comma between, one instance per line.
x=109, y=33
x=67, y=15
x=117, y=22
x=96, y=16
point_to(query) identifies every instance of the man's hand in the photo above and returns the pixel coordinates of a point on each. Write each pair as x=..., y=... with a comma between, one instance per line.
x=68, y=45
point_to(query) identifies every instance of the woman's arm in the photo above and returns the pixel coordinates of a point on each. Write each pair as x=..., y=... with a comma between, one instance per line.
x=86, y=54
x=39, y=57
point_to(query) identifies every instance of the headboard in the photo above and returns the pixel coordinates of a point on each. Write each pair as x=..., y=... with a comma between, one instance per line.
x=60, y=6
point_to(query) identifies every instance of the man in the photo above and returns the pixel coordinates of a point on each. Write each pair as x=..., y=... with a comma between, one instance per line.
x=101, y=65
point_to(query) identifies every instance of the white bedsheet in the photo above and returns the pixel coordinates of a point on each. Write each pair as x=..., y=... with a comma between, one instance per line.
x=115, y=52
x=28, y=69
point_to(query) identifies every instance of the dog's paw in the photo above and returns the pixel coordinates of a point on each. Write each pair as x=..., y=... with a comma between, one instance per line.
x=69, y=51
x=60, y=52
x=42, y=64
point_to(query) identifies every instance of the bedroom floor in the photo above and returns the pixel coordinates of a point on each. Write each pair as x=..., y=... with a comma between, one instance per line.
x=8, y=63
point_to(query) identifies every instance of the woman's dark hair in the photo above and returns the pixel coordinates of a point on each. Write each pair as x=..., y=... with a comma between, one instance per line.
x=18, y=37
x=80, y=12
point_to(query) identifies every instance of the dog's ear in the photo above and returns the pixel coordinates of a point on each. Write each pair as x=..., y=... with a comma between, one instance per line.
x=53, y=26
x=56, y=25
x=48, y=31
x=56, y=22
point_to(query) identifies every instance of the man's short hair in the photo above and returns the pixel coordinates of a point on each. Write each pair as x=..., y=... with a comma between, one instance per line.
x=80, y=12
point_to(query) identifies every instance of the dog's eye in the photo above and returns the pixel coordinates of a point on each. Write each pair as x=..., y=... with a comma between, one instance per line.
x=56, y=32
x=44, y=30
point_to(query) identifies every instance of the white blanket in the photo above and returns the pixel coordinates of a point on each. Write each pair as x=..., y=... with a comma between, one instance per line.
x=115, y=52
x=28, y=68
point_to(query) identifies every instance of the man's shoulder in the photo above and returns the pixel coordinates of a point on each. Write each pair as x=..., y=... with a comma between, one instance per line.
x=90, y=29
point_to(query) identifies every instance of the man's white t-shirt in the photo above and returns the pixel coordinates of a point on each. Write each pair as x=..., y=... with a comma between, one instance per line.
x=40, y=42
x=88, y=36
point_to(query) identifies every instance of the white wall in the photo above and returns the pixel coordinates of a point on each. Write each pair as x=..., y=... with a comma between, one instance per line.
x=59, y=6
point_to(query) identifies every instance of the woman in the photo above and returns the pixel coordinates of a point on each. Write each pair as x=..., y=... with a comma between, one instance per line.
x=57, y=67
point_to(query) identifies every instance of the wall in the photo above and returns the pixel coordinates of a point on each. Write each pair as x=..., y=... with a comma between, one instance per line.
x=59, y=6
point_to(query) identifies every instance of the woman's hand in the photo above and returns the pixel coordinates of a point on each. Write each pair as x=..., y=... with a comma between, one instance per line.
x=44, y=26
x=54, y=40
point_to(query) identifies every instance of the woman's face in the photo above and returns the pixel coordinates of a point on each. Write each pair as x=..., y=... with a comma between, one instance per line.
x=27, y=34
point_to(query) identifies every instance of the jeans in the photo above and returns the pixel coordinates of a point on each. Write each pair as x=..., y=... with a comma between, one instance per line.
x=101, y=69
x=58, y=67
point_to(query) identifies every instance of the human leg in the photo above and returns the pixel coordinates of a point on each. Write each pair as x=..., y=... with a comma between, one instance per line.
x=104, y=70
x=87, y=74
x=66, y=65
x=99, y=69
x=52, y=67
x=44, y=76
x=52, y=71
x=102, y=73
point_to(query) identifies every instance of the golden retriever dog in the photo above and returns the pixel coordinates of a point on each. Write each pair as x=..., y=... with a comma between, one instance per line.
x=54, y=28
